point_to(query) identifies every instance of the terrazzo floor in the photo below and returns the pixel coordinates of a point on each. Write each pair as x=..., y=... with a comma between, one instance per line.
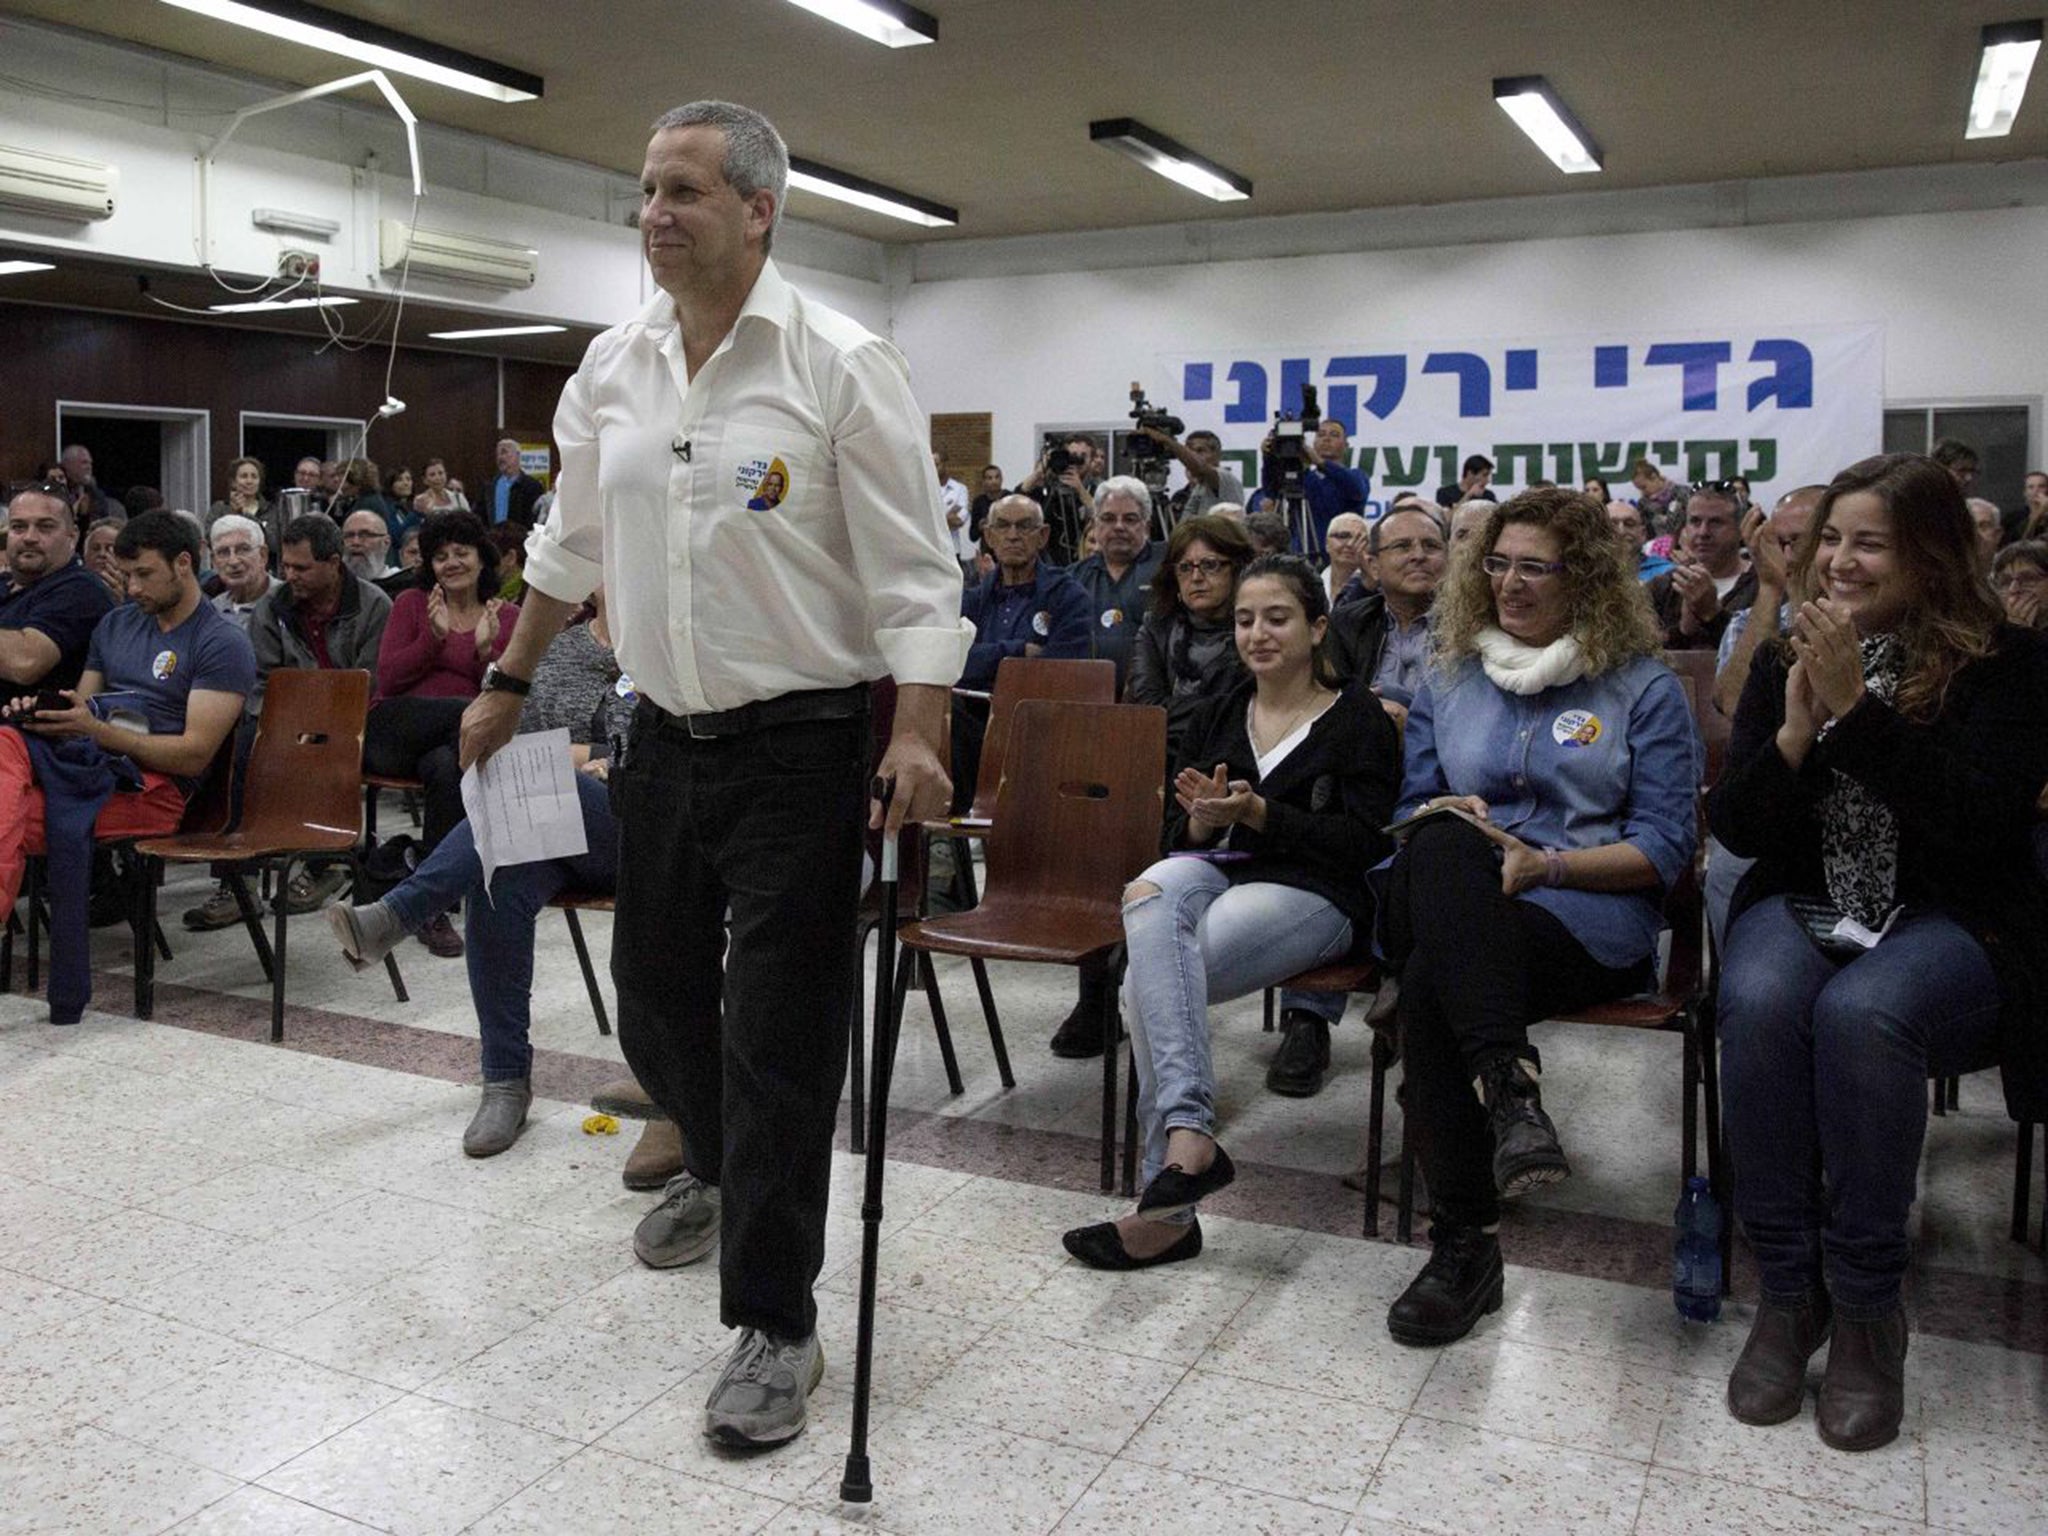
x=257, y=1288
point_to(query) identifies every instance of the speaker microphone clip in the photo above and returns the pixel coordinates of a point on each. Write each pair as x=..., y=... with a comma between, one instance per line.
x=681, y=449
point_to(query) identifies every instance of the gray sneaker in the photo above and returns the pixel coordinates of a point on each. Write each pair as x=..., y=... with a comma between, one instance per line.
x=683, y=1228
x=760, y=1396
x=500, y=1117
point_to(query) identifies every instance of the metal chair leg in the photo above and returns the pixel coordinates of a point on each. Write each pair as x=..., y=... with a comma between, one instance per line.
x=2022, y=1178
x=1130, y=1184
x=995, y=1027
x=280, y=904
x=1375, y=1130
x=1267, y=1005
x=252, y=920
x=35, y=923
x=604, y=1023
x=1110, y=1025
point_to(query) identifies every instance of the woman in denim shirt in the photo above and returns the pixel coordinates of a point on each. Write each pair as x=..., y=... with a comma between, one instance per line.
x=1565, y=753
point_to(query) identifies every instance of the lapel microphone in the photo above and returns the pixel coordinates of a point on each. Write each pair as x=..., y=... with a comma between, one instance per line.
x=681, y=449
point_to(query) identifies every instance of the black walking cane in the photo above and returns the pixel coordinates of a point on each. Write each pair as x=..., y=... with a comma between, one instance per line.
x=857, y=1485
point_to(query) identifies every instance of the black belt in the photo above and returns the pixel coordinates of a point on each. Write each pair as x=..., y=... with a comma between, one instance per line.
x=787, y=709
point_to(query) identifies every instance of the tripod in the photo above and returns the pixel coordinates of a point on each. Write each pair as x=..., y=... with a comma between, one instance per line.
x=1064, y=516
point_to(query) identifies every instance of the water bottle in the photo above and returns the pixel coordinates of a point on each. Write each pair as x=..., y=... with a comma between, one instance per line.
x=1696, y=1253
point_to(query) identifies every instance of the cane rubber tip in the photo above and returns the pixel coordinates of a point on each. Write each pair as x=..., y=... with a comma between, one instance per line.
x=856, y=1493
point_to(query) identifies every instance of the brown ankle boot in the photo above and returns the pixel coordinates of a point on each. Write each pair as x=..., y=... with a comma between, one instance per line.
x=657, y=1157
x=1863, y=1394
x=1769, y=1380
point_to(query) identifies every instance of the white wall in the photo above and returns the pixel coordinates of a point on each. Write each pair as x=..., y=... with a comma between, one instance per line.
x=1961, y=295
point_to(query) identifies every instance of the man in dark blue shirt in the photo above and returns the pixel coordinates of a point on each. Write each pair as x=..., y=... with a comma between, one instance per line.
x=1329, y=485
x=1116, y=576
x=50, y=602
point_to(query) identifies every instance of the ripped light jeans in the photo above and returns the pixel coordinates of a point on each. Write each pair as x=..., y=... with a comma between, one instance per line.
x=1204, y=940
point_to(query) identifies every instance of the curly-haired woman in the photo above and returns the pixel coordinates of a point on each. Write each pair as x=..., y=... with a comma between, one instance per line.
x=1564, y=753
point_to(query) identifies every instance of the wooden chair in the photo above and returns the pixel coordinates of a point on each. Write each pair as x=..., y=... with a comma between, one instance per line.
x=1077, y=816
x=302, y=797
x=373, y=783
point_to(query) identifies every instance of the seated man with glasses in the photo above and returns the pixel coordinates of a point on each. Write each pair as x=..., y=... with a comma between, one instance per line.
x=1560, y=757
x=2019, y=575
x=241, y=561
x=1710, y=581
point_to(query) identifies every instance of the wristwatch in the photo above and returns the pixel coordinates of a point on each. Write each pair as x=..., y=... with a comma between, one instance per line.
x=498, y=680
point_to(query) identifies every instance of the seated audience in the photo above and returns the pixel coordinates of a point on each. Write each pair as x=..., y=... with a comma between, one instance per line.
x=441, y=636
x=1468, y=518
x=1661, y=501
x=1883, y=773
x=1345, y=580
x=2033, y=512
x=245, y=495
x=1771, y=541
x=1989, y=524
x=359, y=490
x=306, y=477
x=1187, y=652
x=1693, y=599
x=164, y=682
x=138, y=499
x=242, y=561
x=365, y=541
x=439, y=495
x=991, y=492
x=98, y=554
x=1959, y=459
x=51, y=602
x=1268, y=532
x=1561, y=757
x=1596, y=488
x=89, y=501
x=1280, y=798
x=398, y=496
x=2019, y=575
x=577, y=687
x=1116, y=574
x=512, y=492
x=509, y=539
x=1475, y=476
x=409, y=549
x=1626, y=519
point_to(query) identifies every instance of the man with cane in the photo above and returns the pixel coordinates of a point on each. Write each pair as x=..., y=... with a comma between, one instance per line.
x=750, y=627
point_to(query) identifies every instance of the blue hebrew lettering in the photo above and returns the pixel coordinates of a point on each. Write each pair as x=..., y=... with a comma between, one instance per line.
x=1198, y=381
x=1389, y=375
x=1250, y=404
x=1701, y=361
x=1791, y=381
x=1520, y=372
x=1475, y=379
x=1293, y=374
x=1610, y=367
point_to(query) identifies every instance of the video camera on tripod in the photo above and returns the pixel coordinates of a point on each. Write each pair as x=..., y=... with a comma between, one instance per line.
x=1292, y=433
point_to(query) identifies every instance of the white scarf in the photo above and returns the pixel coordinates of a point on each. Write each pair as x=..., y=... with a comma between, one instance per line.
x=1527, y=669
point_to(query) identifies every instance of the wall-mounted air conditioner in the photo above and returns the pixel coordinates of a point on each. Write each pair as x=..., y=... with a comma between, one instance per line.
x=466, y=258
x=56, y=186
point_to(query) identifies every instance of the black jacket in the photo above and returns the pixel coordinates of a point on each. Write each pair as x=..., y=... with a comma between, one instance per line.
x=1358, y=638
x=1669, y=607
x=1325, y=803
x=1164, y=671
x=1963, y=788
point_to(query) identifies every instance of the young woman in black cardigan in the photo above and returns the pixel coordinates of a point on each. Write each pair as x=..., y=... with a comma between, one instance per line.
x=1883, y=772
x=1282, y=791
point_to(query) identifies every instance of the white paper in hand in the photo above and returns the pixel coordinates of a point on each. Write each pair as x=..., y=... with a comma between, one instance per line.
x=522, y=804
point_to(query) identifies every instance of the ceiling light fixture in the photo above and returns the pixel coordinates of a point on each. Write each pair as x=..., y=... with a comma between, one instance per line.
x=809, y=176
x=2009, y=49
x=15, y=268
x=266, y=306
x=1541, y=113
x=882, y=21
x=496, y=330
x=1175, y=161
x=315, y=26
x=282, y=221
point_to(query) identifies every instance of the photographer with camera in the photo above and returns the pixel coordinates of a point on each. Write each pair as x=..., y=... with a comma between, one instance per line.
x=1329, y=485
x=1059, y=484
x=1201, y=456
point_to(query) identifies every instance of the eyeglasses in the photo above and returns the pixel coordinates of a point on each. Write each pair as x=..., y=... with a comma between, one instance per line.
x=2006, y=580
x=1005, y=525
x=1529, y=570
x=233, y=551
x=1207, y=567
x=1399, y=547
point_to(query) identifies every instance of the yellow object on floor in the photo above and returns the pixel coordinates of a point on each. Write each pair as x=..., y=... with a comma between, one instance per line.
x=600, y=1125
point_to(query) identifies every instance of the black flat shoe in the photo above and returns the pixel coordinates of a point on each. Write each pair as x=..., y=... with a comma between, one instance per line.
x=1102, y=1247
x=1172, y=1190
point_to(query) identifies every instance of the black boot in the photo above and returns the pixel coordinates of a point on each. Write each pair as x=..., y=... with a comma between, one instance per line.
x=1863, y=1394
x=1080, y=1033
x=1769, y=1380
x=1526, y=1155
x=1460, y=1284
x=1303, y=1060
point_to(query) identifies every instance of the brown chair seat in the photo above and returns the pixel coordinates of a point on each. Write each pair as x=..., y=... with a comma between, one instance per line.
x=584, y=901
x=1043, y=933
x=1336, y=978
x=246, y=843
x=392, y=781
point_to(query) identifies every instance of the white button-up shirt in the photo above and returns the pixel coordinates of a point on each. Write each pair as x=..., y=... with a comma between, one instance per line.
x=768, y=526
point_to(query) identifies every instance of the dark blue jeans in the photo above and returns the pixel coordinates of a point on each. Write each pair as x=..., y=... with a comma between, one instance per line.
x=744, y=1046
x=1824, y=1068
x=500, y=928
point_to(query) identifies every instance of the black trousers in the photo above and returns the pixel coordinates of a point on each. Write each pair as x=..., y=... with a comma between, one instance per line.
x=415, y=738
x=746, y=1057
x=1477, y=968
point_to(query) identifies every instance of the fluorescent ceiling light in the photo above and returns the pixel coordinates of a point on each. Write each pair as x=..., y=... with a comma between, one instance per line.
x=495, y=330
x=2009, y=50
x=315, y=26
x=881, y=21
x=1540, y=113
x=282, y=221
x=1175, y=161
x=809, y=176
x=13, y=268
x=264, y=306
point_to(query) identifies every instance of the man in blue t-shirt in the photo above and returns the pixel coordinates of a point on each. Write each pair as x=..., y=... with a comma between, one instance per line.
x=50, y=601
x=164, y=682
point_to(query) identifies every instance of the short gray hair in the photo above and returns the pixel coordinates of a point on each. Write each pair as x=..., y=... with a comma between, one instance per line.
x=234, y=522
x=1129, y=486
x=756, y=159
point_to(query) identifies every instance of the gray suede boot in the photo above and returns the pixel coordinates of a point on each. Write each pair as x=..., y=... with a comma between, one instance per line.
x=499, y=1118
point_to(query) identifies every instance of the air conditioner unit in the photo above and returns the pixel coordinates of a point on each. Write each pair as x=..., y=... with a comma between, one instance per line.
x=56, y=186
x=466, y=258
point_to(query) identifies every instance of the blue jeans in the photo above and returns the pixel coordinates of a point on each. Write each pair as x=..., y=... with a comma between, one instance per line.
x=1327, y=1006
x=499, y=929
x=1203, y=940
x=1824, y=1069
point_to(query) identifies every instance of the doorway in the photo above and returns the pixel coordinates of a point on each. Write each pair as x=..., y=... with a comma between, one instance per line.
x=157, y=445
x=279, y=442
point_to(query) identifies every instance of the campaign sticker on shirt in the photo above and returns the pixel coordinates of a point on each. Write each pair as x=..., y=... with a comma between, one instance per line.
x=1041, y=622
x=1576, y=728
x=764, y=482
x=165, y=663
x=1111, y=617
x=624, y=688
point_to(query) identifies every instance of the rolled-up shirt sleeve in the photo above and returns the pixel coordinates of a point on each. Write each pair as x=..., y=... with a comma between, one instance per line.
x=565, y=554
x=1665, y=771
x=902, y=549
